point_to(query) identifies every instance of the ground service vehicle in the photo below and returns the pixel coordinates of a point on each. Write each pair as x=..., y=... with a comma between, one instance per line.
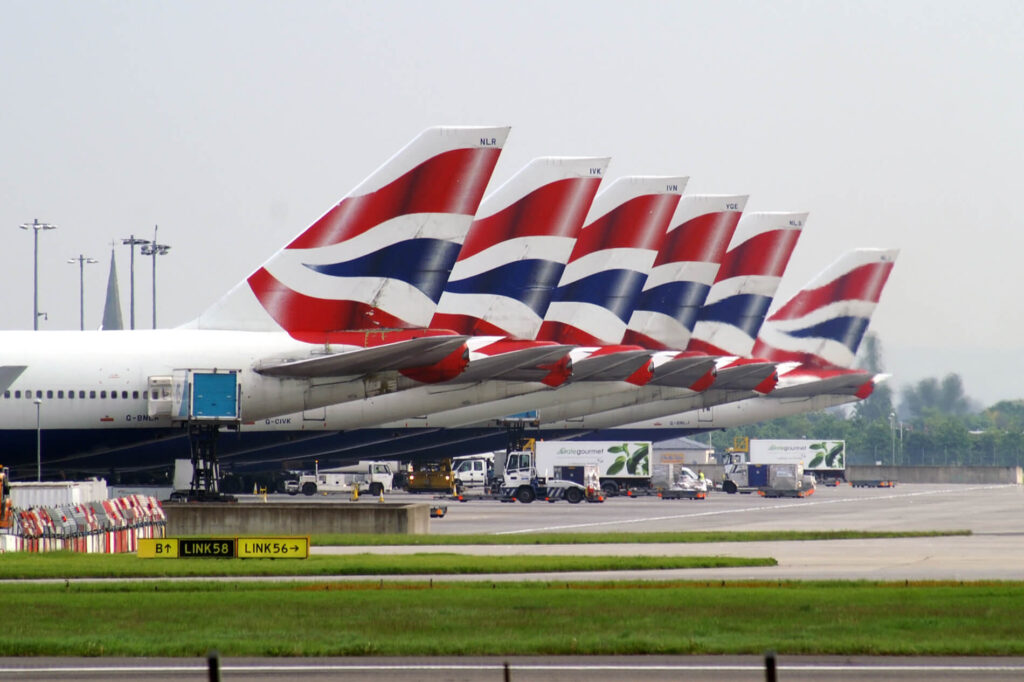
x=770, y=480
x=431, y=477
x=522, y=480
x=620, y=466
x=474, y=471
x=824, y=459
x=374, y=478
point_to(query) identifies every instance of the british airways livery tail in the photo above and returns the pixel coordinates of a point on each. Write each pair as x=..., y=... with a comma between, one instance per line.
x=746, y=283
x=517, y=247
x=610, y=261
x=380, y=258
x=823, y=324
x=684, y=271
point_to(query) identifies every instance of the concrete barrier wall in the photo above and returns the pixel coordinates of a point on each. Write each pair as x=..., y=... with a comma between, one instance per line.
x=950, y=474
x=935, y=474
x=295, y=518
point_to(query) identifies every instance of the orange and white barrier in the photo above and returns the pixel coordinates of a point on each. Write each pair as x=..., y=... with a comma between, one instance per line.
x=107, y=526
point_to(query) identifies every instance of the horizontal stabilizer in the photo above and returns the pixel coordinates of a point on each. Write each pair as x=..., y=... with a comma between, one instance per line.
x=419, y=352
x=8, y=373
x=610, y=367
x=847, y=383
x=745, y=377
x=518, y=365
x=684, y=372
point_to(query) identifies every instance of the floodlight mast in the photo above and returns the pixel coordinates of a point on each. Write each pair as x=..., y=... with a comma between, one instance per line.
x=154, y=249
x=35, y=226
x=81, y=260
x=131, y=241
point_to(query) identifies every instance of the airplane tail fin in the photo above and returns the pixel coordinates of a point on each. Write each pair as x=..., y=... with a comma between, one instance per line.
x=610, y=261
x=683, y=272
x=380, y=257
x=746, y=283
x=823, y=324
x=517, y=247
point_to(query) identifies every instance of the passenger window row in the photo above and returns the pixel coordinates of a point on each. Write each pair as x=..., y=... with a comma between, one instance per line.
x=60, y=394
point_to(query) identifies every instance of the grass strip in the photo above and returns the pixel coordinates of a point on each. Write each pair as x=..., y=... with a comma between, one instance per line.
x=370, y=540
x=70, y=565
x=555, y=618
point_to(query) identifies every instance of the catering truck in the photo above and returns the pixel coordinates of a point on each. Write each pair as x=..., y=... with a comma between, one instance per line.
x=524, y=480
x=620, y=466
x=824, y=459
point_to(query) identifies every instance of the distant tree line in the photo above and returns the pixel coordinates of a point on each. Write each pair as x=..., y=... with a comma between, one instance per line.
x=935, y=423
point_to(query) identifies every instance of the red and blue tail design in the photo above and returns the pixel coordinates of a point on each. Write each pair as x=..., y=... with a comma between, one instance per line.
x=746, y=283
x=684, y=271
x=823, y=324
x=517, y=248
x=610, y=261
x=381, y=257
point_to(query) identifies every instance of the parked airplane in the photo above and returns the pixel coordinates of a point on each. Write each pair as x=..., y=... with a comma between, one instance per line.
x=732, y=314
x=500, y=286
x=503, y=281
x=505, y=278
x=816, y=334
x=286, y=339
x=763, y=244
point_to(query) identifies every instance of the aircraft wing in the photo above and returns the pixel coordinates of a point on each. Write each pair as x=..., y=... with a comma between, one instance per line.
x=847, y=383
x=8, y=373
x=418, y=352
x=517, y=365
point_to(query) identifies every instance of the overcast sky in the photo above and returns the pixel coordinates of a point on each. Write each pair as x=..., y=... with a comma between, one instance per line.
x=234, y=125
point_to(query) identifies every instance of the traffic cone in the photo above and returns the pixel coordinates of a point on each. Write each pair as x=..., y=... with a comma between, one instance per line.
x=355, y=493
x=381, y=495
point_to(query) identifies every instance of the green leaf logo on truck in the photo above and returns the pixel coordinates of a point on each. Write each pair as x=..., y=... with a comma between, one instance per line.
x=829, y=454
x=636, y=463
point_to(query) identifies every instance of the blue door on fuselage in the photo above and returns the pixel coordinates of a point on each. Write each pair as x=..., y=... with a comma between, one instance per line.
x=215, y=396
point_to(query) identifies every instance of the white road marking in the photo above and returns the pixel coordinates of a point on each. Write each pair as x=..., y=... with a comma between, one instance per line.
x=772, y=507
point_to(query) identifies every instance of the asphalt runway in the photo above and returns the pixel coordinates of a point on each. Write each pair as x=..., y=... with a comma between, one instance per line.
x=522, y=669
x=993, y=551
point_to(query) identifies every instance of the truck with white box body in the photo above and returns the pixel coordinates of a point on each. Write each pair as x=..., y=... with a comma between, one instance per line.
x=825, y=459
x=522, y=480
x=620, y=466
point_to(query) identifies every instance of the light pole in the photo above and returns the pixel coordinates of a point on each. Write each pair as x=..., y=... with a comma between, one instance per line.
x=892, y=430
x=154, y=249
x=130, y=242
x=81, y=260
x=35, y=226
x=39, y=442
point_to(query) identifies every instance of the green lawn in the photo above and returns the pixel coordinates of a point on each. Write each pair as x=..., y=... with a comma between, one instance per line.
x=69, y=565
x=338, y=618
